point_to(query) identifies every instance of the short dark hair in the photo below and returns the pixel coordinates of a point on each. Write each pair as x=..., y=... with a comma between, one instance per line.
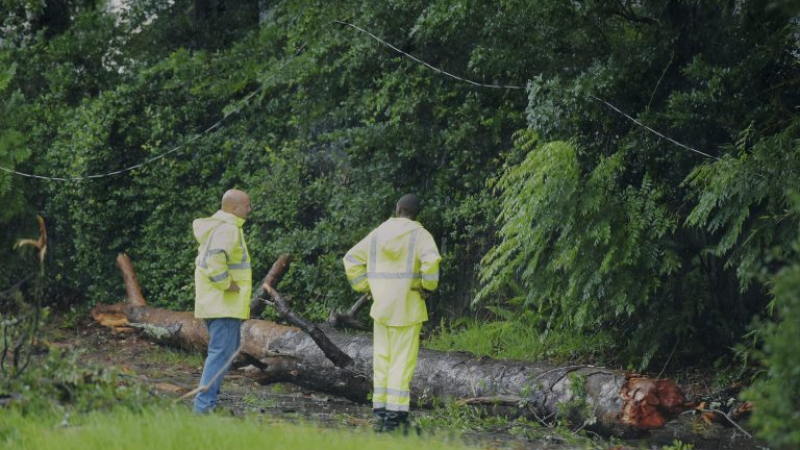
x=409, y=206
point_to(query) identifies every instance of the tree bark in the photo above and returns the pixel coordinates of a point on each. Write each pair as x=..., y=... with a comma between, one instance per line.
x=609, y=402
x=332, y=351
x=274, y=275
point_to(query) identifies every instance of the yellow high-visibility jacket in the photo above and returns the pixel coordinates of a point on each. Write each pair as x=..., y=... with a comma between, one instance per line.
x=395, y=261
x=222, y=257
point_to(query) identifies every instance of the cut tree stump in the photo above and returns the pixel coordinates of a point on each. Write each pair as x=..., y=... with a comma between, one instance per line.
x=615, y=402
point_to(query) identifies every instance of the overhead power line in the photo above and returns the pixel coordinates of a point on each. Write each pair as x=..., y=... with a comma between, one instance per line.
x=219, y=123
x=508, y=86
x=434, y=68
x=662, y=136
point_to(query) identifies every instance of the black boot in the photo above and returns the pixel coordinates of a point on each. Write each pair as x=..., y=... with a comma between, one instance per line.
x=397, y=420
x=405, y=423
x=380, y=420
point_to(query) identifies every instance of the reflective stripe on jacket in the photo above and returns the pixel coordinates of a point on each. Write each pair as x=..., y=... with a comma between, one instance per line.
x=395, y=261
x=222, y=257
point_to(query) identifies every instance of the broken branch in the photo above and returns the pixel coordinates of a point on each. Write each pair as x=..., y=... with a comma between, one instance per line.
x=337, y=319
x=279, y=267
x=335, y=354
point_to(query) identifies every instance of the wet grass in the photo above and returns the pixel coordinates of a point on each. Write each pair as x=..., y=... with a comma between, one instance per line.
x=251, y=400
x=177, y=428
x=516, y=339
x=175, y=356
x=453, y=416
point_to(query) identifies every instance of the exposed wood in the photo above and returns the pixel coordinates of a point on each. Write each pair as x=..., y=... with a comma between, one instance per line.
x=622, y=404
x=132, y=288
x=40, y=243
x=646, y=400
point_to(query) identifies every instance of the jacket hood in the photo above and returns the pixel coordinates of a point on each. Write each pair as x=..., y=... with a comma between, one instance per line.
x=202, y=227
x=391, y=234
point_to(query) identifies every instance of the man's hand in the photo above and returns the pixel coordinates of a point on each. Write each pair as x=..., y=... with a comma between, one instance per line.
x=233, y=287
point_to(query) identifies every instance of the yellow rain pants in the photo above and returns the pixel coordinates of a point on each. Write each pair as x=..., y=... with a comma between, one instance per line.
x=394, y=360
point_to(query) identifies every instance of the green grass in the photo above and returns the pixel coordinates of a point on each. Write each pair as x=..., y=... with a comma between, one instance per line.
x=254, y=401
x=517, y=339
x=177, y=428
x=175, y=356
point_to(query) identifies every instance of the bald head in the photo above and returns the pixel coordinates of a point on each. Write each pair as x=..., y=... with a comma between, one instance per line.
x=408, y=206
x=236, y=202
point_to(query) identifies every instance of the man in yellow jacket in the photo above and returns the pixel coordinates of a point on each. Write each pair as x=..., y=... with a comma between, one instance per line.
x=223, y=282
x=396, y=262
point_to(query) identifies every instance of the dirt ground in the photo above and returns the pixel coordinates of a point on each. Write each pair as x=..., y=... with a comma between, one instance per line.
x=173, y=372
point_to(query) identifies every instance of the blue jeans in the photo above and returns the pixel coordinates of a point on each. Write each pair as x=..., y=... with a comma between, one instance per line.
x=223, y=340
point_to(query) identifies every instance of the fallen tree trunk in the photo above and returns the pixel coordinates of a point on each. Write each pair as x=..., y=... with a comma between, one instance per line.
x=610, y=402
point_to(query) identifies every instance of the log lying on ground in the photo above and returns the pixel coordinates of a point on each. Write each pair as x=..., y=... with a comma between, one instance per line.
x=615, y=403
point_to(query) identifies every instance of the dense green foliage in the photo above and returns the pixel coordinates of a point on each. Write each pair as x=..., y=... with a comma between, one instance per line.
x=58, y=382
x=321, y=172
x=603, y=235
x=624, y=233
x=13, y=151
x=552, y=210
x=777, y=396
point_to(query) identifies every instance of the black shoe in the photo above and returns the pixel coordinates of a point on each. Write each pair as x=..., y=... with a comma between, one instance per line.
x=380, y=420
x=397, y=420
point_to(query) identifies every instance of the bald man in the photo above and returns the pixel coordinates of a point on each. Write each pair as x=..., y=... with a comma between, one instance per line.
x=396, y=262
x=223, y=282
